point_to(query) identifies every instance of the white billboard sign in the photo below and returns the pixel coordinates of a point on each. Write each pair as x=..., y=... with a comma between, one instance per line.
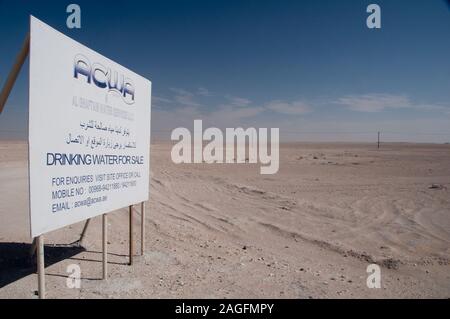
x=89, y=132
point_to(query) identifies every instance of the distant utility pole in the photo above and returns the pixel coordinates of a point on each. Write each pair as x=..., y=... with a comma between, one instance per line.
x=378, y=140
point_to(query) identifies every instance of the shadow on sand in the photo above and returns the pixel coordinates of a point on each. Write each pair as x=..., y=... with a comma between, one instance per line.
x=16, y=262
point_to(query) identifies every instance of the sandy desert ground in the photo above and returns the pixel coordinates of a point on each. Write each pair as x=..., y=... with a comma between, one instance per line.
x=225, y=231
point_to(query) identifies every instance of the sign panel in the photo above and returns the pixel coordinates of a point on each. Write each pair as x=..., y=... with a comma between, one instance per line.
x=89, y=132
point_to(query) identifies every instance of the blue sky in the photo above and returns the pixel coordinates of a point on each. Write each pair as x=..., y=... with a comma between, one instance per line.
x=311, y=68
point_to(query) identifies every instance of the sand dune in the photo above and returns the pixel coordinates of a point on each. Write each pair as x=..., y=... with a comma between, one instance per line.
x=224, y=230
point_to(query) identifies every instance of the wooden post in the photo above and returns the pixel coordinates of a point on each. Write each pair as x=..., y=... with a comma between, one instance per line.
x=131, y=235
x=142, y=228
x=20, y=59
x=41, y=267
x=378, y=140
x=105, y=246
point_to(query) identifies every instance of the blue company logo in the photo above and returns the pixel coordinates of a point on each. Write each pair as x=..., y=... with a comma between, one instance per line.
x=104, y=78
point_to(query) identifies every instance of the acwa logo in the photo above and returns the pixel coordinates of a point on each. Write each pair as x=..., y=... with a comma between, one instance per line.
x=104, y=78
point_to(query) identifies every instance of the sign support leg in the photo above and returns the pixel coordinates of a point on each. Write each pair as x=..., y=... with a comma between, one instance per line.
x=83, y=233
x=105, y=246
x=142, y=228
x=131, y=235
x=41, y=267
